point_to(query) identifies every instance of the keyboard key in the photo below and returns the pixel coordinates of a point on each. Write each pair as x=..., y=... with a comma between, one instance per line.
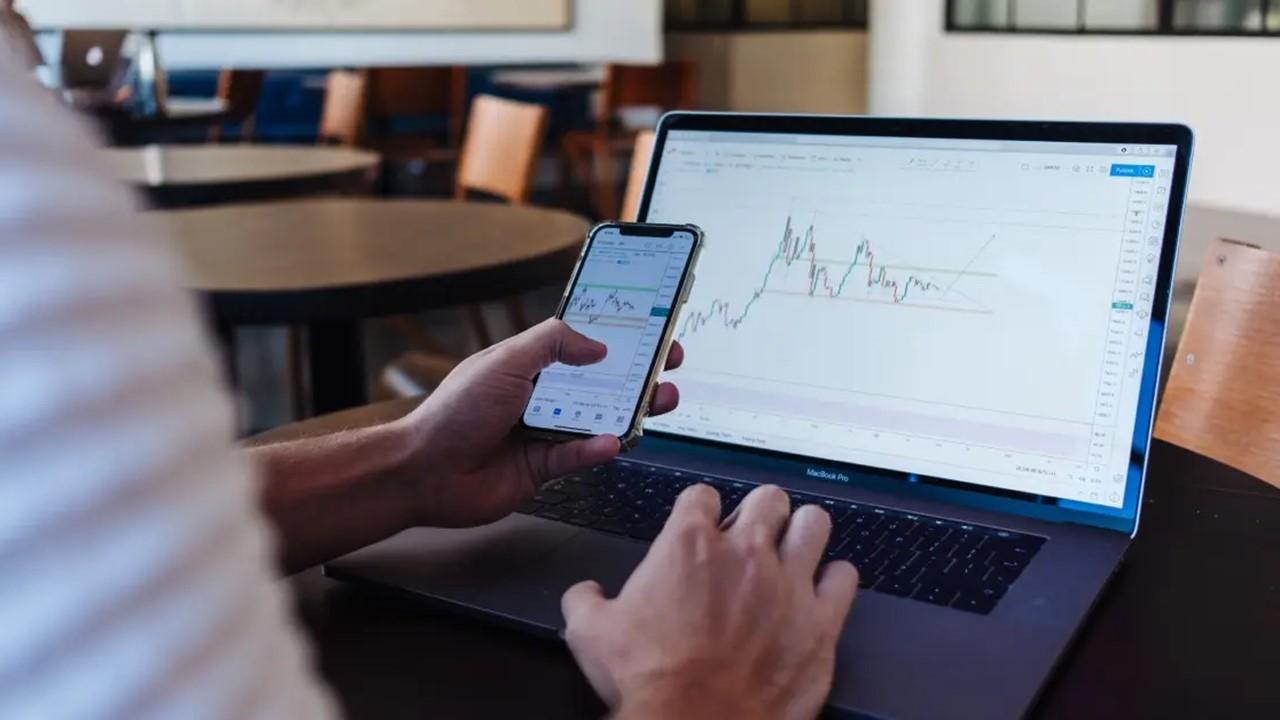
x=936, y=594
x=975, y=602
x=550, y=497
x=901, y=587
x=586, y=519
x=610, y=526
x=834, y=508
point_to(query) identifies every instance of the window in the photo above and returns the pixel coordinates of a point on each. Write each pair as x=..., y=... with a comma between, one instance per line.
x=1160, y=17
x=765, y=14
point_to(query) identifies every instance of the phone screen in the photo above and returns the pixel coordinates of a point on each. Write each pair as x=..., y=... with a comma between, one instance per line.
x=625, y=293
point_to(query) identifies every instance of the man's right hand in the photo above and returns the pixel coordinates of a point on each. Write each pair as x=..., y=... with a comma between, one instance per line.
x=719, y=620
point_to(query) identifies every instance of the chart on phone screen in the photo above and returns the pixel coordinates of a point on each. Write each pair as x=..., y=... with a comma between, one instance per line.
x=622, y=297
x=966, y=310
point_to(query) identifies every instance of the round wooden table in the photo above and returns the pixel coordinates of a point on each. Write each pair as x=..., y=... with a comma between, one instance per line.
x=330, y=263
x=187, y=175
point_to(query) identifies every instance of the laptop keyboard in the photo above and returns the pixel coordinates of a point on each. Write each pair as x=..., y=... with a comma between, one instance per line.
x=929, y=559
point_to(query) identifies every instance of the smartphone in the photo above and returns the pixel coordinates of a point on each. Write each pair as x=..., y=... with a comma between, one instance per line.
x=625, y=292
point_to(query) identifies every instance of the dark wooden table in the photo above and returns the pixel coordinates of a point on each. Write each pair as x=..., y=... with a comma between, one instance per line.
x=1189, y=628
x=328, y=264
x=172, y=176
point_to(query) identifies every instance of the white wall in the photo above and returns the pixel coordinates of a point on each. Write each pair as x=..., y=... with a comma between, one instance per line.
x=804, y=71
x=1226, y=89
x=602, y=31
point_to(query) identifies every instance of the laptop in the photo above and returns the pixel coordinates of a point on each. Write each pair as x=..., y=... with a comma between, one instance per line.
x=948, y=333
x=91, y=59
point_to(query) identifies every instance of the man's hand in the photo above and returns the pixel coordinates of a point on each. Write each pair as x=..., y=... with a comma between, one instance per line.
x=473, y=466
x=719, y=621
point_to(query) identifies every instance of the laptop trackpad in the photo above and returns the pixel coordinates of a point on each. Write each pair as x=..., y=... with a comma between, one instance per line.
x=517, y=567
x=533, y=592
x=458, y=564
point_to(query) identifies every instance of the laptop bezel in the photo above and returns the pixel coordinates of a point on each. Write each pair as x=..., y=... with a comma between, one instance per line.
x=1126, y=519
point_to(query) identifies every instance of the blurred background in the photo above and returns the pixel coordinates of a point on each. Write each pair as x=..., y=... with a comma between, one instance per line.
x=212, y=107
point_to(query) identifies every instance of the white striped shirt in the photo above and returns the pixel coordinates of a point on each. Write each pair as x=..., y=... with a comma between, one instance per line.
x=136, y=574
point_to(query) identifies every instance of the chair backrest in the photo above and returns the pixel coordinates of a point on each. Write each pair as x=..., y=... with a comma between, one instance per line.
x=501, y=148
x=669, y=86
x=640, y=157
x=1223, y=396
x=418, y=91
x=346, y=104
x=240, y=90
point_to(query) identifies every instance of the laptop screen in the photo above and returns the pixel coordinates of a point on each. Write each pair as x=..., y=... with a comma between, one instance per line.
x=972, y=310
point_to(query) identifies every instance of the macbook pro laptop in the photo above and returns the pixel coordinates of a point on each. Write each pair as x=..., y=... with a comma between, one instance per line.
x=92, y=59
x=947, y=333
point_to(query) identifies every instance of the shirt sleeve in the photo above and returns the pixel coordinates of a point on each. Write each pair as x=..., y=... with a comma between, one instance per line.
x=138, y=576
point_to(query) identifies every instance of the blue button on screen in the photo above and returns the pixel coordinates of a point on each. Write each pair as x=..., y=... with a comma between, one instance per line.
x=1123, y=170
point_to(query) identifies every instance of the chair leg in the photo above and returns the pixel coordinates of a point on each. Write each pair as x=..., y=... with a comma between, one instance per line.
x=582, y=168
x=606, y=181
x=517, y=315
x=417, y=335
x=479, y=326
x=565, y=191
x=295, y=355
x=247, y=128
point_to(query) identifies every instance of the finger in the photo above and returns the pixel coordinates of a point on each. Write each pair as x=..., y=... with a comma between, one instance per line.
x=558, y=459
x=579, y=604
x=837, y=586
x=665, y=399
x=761, y=516
x=580, y=600
x=549, y=341
x=805, y=539
x=698, y=504
x=675, y=356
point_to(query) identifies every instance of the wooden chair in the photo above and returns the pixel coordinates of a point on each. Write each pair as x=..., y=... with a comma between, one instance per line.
x=639, y=172
x=240, y=90
x=399, y=92
x=501, y=149
x=1223, y=396
x=345, y=110
x=589, y=155
x=499, y=156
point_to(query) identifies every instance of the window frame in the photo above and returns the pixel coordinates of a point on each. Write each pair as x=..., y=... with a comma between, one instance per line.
x=738, y=22
x=1165, y=27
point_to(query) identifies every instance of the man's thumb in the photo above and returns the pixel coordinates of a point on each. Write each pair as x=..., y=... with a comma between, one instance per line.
x=552, y=341
x=580, y=600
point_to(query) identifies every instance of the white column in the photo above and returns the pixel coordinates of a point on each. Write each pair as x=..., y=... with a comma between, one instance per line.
x=900, y=38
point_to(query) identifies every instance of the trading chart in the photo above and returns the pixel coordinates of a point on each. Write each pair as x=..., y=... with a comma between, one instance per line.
x=970, y=312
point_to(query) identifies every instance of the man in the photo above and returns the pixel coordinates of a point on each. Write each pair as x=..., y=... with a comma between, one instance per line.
x=18, y=39
x=138, y=568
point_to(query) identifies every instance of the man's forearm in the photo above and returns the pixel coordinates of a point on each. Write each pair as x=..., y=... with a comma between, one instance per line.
x=333, y=494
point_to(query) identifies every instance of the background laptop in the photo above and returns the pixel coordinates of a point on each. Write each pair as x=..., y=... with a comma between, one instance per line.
x=91, y=59
x=948, y=333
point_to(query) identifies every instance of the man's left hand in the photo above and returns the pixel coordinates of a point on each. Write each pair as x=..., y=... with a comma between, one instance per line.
x=473, y=465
